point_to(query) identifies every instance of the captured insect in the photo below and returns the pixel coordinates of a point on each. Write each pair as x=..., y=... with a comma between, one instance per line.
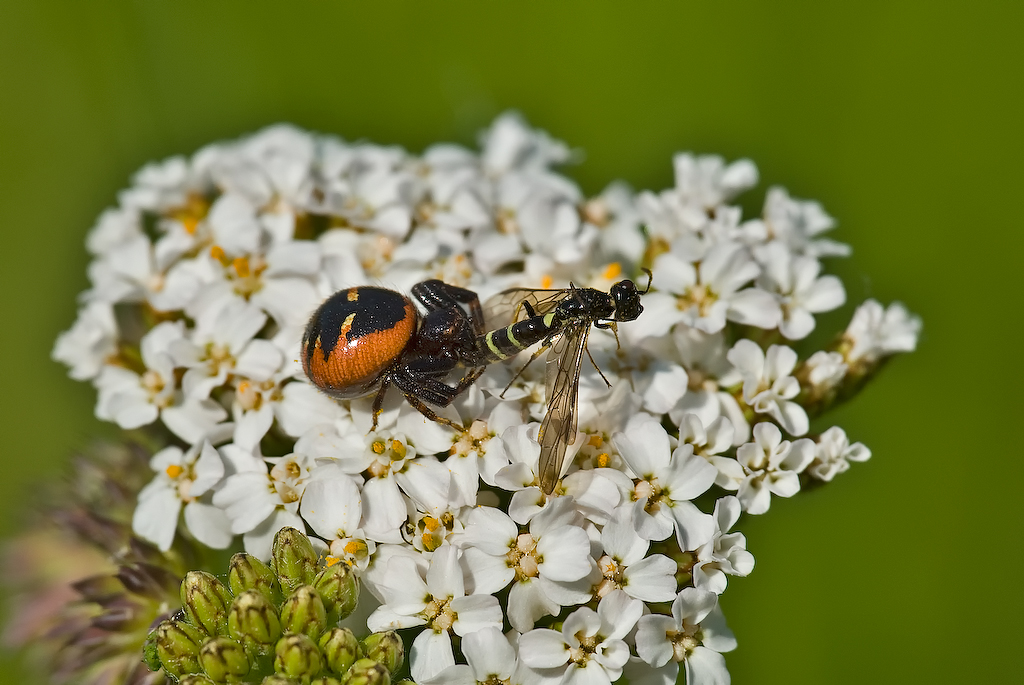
x=366, y=339
x=559, y=320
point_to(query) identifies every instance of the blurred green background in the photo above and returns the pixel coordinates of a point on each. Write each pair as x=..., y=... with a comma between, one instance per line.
x=903, y=119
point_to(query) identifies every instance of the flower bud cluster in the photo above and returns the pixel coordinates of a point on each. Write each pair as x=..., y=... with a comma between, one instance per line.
x=695, y=413
x=276, y=623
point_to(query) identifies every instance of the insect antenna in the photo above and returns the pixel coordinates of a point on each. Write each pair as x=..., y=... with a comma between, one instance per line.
x=650, y=279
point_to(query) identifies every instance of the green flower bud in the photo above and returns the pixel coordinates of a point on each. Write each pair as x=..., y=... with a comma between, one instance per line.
x=340, y=648
x=324, y=681
x=297, y=656
x=367, y=672
x=252, y=617
x=206, y=601
x=339, y=589
x=150, y=653
x=278, y=679
x=224, y=660
x=246, y=572
x=293, y=559
x=177, y=646
x=303, y=612
x=405, y=682
x=385, y=648
x=195, y=680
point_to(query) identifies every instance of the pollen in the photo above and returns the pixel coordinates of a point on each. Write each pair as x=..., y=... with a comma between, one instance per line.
x=217, y=252
x=355, y=547
x=602, y=460
x=431, y=523
x=398, y=447
x=595, y=440
x=241, y=265
x=613, y=270
x=378, y=447
x=174, y=470
x=331, y=561
x=546, y=281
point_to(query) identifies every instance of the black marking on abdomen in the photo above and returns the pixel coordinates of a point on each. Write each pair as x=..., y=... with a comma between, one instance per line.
x=375, y=309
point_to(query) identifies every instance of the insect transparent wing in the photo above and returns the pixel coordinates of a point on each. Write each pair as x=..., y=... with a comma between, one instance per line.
x=507, y=308
x=558, y=429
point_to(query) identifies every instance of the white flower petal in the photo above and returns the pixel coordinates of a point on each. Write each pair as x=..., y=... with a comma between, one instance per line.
x=431, y=653
x=543, y=648
x=209, y=524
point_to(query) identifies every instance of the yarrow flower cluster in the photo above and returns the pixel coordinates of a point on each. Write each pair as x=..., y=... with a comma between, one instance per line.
x=205, y=274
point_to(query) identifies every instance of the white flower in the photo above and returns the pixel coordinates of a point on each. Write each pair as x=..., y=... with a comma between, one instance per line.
x=825, y=370
x=709, y=372
x=706, y=181
x=183, y=478
x=767, y=466
x=298, y=407
x=768, y=386
x=599, y=420
x=90, y=342
x=834, y=454
x=717, y=438
x=667, y=481
x=615, y=212
x=702, y=185
x=332, y=506
x=370, y=187
x=706, y=292
x=222, y=343
x=278, y=280
x=439, y=603
x=126, y=272
x=474, y=449
x=162, y=186
x=520, y=450
x=114, y=227
x=271, y=167
x=510, y=144
x=798, y=223
x=193, y=419
x=626, y=566
x=590, y=646
x=877, y=332
x=659, y=382
x=133, y=400
x=259, y=503
x=695, y=635
x=801, y=293
x=491, y=659
x=547, y=563
x=725, y=554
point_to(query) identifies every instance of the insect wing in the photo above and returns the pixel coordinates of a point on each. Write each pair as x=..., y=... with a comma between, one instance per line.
x=558, y=429
x=507, y=307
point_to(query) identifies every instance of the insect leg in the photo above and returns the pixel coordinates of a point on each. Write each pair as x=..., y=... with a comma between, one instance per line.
x=469, y=379
x=378, y=403
x=417, y=384
x=599, y=371
x=541, y=350
x=413, y=395
x=435, y=294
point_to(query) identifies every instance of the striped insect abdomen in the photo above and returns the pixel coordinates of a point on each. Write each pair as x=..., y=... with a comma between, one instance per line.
x=502, y=343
